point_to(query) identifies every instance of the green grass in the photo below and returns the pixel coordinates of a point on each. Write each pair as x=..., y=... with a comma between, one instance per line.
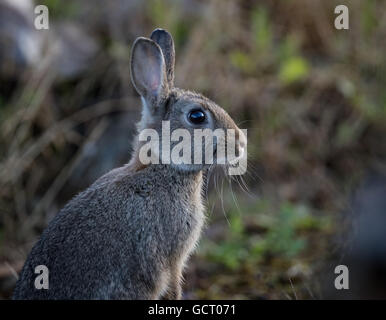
x=283, y=233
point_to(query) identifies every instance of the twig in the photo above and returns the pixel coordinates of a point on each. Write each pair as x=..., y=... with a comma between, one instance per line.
x=15, y=165
x=64, y=174
x=7, y=269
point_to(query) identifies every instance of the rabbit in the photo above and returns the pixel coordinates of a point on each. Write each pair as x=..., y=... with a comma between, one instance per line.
x=130, y=234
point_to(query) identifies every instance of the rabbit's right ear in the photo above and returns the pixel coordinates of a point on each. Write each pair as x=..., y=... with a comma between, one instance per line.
x=148, y=72
x=165, y=40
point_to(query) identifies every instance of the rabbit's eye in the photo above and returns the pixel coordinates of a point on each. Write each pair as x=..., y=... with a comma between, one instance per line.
x=196, y=116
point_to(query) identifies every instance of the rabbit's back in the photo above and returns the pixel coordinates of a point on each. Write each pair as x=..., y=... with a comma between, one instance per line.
x=116, y=239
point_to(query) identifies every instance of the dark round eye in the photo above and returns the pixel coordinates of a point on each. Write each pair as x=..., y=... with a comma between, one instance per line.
x=196, y=116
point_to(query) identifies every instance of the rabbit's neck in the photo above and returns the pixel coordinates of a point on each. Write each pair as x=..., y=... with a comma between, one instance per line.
x=189, y=180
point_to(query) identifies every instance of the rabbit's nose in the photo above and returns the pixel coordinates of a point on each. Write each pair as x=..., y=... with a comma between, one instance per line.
x=242, y=142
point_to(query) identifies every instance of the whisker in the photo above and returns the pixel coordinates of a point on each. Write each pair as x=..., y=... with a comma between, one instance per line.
x=222, y=201
x=234, y=197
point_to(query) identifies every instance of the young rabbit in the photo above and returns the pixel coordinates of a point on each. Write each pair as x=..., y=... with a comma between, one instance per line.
x=129, y=235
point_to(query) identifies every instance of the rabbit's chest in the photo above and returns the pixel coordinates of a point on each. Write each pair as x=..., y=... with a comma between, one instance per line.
x=183, y=224
x=171, y=214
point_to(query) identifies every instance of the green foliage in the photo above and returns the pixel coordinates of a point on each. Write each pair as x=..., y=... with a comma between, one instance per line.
x=260, y=53
x=289, y=47
x=60, y=9
x=167, y=15
x=349, y=132
x=293, y=69
x=261, y=29
x=243, y=61
x=266, y=54
x=283, y=236
x=370, y=109
x=368, y=16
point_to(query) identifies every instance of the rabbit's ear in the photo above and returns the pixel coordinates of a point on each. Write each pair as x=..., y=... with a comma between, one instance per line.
x=148, y=72
x=165, y=41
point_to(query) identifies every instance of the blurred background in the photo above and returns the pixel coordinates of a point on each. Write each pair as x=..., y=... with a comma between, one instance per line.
x=313, y=100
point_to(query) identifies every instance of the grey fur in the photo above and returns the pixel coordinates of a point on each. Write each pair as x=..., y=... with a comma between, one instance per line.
x=129, y=235
x=165, y=41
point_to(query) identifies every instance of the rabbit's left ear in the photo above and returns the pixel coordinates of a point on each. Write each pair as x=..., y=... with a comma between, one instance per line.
x=165, y=40
x=148, y=72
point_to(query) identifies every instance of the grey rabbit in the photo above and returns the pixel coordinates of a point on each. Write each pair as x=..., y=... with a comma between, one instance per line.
x=129, y=235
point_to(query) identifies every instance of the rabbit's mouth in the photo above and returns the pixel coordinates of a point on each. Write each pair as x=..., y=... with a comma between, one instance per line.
x=226, y=161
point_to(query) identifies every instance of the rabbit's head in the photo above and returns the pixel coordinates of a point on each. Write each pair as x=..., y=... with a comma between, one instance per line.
x=186, y=113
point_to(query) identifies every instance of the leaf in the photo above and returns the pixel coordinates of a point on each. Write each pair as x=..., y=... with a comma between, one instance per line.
x=241, y=61
x=293, y=69
x=261, y=29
